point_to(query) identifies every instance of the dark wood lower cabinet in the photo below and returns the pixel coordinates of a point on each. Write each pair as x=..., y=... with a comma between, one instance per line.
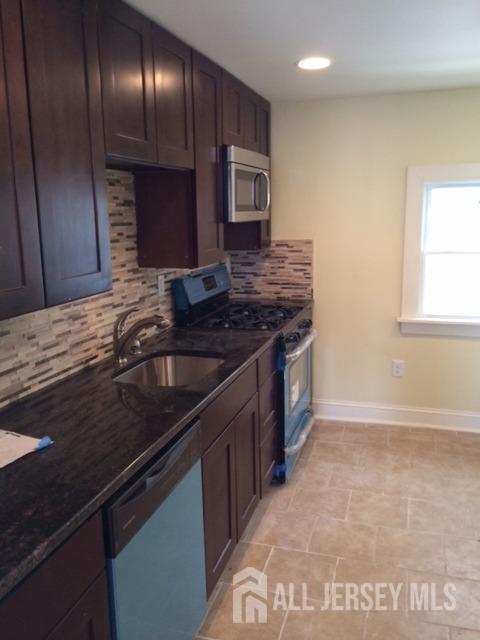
x=50, y=595
x=268, y=458
x=231, y=486
x=89, y=618
x=247, y=463
x=218, y=470
x=268, y=402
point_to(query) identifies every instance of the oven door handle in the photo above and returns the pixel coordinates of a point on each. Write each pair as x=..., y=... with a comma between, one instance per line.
x=290, y=451
x=302, y=347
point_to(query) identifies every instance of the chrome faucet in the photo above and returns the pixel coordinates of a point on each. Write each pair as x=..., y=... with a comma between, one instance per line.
x=126, y=341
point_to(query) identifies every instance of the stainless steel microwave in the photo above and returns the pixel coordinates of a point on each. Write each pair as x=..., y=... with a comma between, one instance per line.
x=247, y=176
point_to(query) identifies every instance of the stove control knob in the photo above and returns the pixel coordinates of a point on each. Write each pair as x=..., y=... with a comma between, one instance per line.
x=305, y=324
x=293, y=337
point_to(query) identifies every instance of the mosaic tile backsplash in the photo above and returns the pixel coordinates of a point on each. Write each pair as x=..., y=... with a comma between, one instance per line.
x=40, y=348
x=284, y=270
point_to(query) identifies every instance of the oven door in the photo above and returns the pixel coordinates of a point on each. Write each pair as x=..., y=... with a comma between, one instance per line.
x=297, y=396
x=248, y=193
x=298, y=384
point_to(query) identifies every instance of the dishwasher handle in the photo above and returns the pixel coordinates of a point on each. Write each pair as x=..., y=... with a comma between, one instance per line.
x=128, y=512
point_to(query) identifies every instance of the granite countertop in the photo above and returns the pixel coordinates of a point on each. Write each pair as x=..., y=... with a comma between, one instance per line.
x=103, y=433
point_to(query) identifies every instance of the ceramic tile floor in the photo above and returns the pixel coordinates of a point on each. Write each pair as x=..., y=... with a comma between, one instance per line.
x=366, y=504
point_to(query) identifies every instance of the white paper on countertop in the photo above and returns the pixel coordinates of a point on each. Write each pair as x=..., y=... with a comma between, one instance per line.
x=14, y=446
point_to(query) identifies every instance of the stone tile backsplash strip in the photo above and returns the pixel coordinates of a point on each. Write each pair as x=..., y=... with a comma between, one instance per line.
x=283, y=270
x=42, y=347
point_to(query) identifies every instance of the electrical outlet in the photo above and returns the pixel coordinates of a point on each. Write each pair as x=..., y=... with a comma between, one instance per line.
x=398, y=368
x=161, y=285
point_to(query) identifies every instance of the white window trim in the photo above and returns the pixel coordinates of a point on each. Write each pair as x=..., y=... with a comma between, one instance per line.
x=411, y=320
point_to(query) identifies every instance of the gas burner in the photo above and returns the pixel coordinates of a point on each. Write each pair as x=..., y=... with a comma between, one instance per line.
x=250, y=315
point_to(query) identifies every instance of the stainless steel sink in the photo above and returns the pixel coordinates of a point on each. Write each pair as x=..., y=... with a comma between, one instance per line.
x=170, y=371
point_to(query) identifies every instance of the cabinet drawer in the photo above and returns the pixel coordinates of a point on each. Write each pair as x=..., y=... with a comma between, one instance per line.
x=268, y=397
x=267, y=364
x=37, y=605
x=222, y=410
x=268, y=456
x=89, y=618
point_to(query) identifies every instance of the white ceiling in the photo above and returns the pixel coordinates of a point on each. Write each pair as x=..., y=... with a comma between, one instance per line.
x=377, y=45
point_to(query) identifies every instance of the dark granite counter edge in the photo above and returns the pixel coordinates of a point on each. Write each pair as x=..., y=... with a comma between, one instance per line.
x=11, y=580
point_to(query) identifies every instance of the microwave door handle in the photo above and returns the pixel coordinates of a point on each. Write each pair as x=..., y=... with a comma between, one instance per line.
x=267, y=178
x=259, y=207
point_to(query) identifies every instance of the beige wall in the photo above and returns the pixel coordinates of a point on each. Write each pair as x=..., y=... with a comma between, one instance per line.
x=339, y=177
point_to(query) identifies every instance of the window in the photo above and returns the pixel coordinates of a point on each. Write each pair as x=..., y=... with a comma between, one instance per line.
x=441, y=277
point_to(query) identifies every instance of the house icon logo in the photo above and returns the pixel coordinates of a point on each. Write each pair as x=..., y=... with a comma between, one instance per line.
x=250, y=596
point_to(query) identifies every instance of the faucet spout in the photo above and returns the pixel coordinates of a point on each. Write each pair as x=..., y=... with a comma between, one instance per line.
x=123, y=339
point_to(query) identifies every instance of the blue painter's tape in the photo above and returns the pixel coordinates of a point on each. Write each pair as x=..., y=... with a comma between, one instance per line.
x=46, y=441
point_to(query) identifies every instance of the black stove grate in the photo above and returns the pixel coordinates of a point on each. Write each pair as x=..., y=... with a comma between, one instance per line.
x=252, y=316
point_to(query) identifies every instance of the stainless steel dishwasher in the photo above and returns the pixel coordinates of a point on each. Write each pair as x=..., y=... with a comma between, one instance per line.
x=155, y=554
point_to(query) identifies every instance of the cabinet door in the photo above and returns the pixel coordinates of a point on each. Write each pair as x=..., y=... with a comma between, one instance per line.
x=233, y=121
x=127, y=82
x=173, y=99
x=250, y=116
x=247, y=463
x=64, y=90
x=89, y=618
x=218, y=471
x=207, y=82
x=268, y=458
x=264, y=127
x=21, y=280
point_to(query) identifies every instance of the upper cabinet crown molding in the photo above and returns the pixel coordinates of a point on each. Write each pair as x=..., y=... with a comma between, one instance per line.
x=126, y=58
x=21, y=278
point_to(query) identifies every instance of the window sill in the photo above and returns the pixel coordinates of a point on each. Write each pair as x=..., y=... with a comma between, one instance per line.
x=440, y=327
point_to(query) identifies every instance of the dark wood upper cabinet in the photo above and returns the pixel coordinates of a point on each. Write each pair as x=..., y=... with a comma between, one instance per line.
x=246, y=116
x=247, y=463
x=173, y=99
x=166, y=228
x=251, y=124
x=67, y=133
x=21, y=279
x=207, y=106
x=263, y=108
x=219, y=505
x=233, y=121
x=179, y=212
x=247, y=236
x=127, y=82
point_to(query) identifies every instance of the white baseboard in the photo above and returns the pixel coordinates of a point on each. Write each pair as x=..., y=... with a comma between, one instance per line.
x=403, y=416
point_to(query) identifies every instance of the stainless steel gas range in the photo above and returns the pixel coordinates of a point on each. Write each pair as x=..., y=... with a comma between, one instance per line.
x=203, y=300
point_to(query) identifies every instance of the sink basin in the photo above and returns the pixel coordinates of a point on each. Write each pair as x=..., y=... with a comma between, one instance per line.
x=170, y=371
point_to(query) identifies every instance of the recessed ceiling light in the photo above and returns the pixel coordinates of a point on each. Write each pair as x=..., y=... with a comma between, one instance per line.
x=314, y=63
